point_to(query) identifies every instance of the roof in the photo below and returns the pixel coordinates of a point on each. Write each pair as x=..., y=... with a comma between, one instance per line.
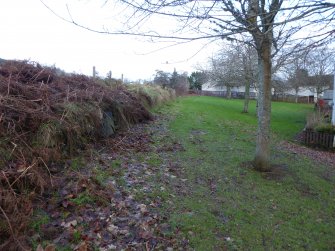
x=326, y=80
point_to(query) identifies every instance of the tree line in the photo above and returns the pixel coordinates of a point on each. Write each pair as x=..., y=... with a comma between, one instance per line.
x=310, y=69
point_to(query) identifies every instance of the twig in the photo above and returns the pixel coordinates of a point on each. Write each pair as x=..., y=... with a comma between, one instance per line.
x=118, y=143
x=11, y=228
x=11, y=188
x=8, y=222
x=48, y=170
x=37, y=75
x=15, y=145
x=23, y=173
x=10, y=77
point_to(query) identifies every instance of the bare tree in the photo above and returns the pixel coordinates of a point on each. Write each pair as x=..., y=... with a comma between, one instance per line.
x=235, y=66
x=311, y=69
x=297, y=74
x=226, y=70
x=248, y=56
x=182, y=84
x=267, y=25
x=320, y=66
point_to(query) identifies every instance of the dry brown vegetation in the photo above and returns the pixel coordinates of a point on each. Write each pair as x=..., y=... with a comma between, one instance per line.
x=46, y=116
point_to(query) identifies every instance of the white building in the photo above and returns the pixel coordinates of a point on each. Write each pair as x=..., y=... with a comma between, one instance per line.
x=235, y=91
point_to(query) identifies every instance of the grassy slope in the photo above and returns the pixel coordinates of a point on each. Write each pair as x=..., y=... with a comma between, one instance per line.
x=230, y=206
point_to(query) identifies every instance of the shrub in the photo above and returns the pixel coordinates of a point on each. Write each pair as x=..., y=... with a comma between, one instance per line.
x=152, y=95
x=326, y=128
x=313, y=120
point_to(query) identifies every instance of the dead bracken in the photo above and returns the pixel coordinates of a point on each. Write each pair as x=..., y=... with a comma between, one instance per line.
x=47, y=116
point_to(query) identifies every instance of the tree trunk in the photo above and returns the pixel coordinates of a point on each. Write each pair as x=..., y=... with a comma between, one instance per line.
x=296, y=95
x=246, y=96
x=262, y=157
x=228, y=92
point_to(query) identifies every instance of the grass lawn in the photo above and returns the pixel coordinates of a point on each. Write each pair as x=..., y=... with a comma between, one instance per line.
x=222, y=204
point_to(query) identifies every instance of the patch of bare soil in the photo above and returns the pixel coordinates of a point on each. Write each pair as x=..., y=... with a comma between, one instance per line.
x=323, y=157
x=277, y=171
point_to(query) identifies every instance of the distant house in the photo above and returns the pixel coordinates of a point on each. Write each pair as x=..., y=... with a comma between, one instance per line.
x=236, y=92
x=316, y=87
x=303, y=95
x=328, y=97
x=321, y=83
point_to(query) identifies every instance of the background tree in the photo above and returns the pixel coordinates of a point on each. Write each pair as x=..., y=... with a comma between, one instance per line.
x=320, y=66
x=280, y=86
x=249, y=59
x=162, y=78
x=181, y=84
x=197, y=79
x=174, y=80
x=235, y=66
x=298, y=78
x=225, y=70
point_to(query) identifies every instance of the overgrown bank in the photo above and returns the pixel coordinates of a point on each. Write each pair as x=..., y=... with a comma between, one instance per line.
x=46, y=117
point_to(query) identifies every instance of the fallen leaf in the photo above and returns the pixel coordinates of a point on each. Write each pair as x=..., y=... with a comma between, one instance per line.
x=50, y=247
x=39, y=248
x=81, y=247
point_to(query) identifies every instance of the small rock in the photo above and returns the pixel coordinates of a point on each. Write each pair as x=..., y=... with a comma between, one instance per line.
x=143, y=208
x=72, y=223
x=123, y=232
x=111, y=247
x=112, y=229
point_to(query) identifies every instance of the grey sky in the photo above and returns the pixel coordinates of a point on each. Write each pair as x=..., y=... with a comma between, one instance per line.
x=30, y=31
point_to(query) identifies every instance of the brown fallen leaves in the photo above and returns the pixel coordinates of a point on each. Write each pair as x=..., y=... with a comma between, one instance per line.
x=86, y=214
x=319, y=156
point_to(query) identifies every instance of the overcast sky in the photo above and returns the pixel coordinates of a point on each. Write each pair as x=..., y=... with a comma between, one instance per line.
x=30, y=31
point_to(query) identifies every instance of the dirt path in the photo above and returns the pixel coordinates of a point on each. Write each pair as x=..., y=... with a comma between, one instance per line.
x=109, y=202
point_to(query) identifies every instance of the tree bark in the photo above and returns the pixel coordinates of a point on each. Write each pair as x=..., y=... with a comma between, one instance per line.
x=228, y=92
x=262, y=157
x=246, y=97
x=296, y=95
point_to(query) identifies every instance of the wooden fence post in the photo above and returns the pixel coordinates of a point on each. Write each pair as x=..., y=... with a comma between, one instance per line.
x=94, y=72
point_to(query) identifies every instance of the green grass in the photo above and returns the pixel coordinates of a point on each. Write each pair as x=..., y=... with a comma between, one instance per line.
x=228, y=205
x=39, y=218
x=83, y=198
